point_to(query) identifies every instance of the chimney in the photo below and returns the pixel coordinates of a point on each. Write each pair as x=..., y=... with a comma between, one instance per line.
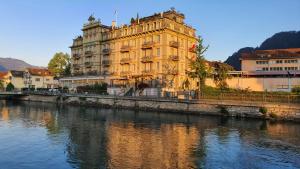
x=113, y=24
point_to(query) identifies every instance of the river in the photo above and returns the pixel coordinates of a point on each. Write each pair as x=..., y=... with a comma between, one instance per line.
x=41, y=135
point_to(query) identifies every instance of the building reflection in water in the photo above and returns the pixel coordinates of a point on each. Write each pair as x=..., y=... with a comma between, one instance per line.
x=106, y=138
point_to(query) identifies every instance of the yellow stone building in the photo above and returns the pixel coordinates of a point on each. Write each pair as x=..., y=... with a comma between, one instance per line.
x=152, y=50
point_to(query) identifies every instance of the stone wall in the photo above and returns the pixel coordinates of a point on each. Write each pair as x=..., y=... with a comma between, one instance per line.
x=206, y=107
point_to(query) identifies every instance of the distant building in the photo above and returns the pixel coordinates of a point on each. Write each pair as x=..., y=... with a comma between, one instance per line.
x=39, y=78
x=16, y=78
x=267, y=70
x=4, y=77
x=271, y=60
x=145, y=51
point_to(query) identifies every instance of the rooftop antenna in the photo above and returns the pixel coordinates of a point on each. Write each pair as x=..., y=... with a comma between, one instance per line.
x=116, y=17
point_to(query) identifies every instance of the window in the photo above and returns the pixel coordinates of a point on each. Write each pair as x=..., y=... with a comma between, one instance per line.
x=157, y=66
x=158, y=51
x=37, y=79
x=158, y=38
x=278, y=61
x=47, y=80
x=262, y=62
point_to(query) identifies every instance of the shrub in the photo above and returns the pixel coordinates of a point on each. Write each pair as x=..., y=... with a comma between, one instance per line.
x=273, y=115
x=263, y=110
x=296, y=89
x=223, y=110
x=10, y=87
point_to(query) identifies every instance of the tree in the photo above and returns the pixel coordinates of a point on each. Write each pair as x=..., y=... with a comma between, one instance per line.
x=199, y=68
x=10, y=87
x=59, y=64
x=220, y=74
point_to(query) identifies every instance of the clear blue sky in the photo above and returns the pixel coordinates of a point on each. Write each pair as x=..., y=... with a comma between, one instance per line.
x=33, y=30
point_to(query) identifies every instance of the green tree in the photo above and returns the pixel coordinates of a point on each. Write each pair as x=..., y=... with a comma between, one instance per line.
x=220, y=74
x=199, y=68
x=59, y=64
x=10, y=87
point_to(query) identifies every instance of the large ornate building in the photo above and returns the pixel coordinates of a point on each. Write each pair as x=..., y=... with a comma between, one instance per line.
x=152, y=50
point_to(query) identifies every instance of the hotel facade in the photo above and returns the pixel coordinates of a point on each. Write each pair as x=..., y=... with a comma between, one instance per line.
x=151, y=50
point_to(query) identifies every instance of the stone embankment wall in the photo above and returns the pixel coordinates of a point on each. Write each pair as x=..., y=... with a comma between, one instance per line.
x=279, y=111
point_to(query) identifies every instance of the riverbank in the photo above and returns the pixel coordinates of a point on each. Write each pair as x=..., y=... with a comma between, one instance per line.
x=245, y=109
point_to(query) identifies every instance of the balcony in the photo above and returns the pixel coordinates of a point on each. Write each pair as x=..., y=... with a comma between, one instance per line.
x=106, y=62
x=106, y=72
x=147, y=72
x=125, y=61
x=192, y=49
x=174, y=57
x=174, y=44
x=92, y=73
x=88, y=53
x=76, y=56
x=173, y=72
x=106, y=51
x=147, y=59
x=125, y=48
x=76, y=66
x=125, y=73
x=78, y=73
x=147, y=45
x=88, y=64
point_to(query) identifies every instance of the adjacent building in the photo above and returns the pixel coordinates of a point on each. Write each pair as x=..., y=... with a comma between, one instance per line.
x=271, y=60
x=150, y=50
x=39, y=78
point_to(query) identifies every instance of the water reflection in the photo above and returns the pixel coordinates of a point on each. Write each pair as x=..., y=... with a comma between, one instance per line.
x=79, y=137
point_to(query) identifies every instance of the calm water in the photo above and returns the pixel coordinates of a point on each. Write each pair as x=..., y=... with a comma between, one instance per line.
x=41, y=136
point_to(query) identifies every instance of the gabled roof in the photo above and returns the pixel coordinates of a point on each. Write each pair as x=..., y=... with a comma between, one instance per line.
x=16, y=73
x=39, y=72
x=3, y=74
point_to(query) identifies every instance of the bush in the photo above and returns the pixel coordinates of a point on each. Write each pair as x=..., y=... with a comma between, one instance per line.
x=96, y=88
x=273, y=115
x=296, y=89
x=263, y=110
x=10, y=87
x=223, y=110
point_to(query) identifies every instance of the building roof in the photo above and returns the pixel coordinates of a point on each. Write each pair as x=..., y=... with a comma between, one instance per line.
x=3, y=74
x=291, y=53
x=16, y=73
x=39, y=72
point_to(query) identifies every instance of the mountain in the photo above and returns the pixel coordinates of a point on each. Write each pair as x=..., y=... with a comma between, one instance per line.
x=13, y=64
x=281, y=40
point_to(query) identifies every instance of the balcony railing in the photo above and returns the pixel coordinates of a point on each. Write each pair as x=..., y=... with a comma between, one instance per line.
x=75, y=66
x=92, y=72
x=174, y=57
x=125, y=48
x=78, y=73
x=174, y=44
x=88, y=64
x=147, y=45
x=125, y=73
x=106, y=51
x=174, y=72
x=192, y=49
x=147, y=72
x=76, y=56
x=125, y=61
x=106, y=62
x=88, y=53
x=147, y=59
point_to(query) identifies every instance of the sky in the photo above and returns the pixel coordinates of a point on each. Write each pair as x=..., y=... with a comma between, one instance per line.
x=34, y=30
